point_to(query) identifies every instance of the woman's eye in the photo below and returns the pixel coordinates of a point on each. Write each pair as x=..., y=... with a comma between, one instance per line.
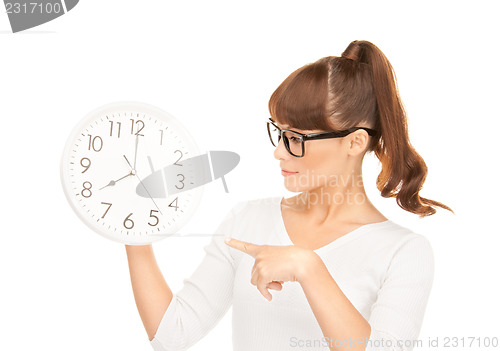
x=295, y=139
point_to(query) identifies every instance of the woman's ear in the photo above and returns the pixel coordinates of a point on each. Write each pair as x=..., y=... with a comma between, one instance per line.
x=358, y=142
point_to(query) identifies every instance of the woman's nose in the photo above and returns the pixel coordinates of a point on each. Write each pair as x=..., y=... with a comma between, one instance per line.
x=281, y=152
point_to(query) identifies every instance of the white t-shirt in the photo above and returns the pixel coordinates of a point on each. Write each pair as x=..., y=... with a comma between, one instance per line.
x=384, y=269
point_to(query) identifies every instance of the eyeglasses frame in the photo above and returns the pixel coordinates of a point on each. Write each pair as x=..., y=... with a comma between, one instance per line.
x=314, y=136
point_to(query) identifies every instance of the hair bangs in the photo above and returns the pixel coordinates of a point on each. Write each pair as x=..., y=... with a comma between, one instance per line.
x=300, y=101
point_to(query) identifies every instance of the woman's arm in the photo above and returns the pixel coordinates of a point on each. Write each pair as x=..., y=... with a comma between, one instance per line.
x=151, y=292
x=338, y=318
x=177, y=320
x=397, y=314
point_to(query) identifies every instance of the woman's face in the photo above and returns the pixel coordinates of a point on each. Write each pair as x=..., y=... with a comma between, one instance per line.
x=326, y=162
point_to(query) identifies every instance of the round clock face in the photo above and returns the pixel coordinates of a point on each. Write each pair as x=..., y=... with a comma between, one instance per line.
x=111, y=171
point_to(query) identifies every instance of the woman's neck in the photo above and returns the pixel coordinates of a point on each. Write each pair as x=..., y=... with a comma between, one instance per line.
x=328, y=205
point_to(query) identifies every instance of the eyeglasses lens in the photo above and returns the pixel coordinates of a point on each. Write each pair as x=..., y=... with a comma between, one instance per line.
x=293, y=141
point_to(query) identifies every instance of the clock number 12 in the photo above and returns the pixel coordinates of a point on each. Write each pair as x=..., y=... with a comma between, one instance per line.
x=132, y=128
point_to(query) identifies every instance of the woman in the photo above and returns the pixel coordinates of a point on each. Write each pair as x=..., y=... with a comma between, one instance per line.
x=356, y=280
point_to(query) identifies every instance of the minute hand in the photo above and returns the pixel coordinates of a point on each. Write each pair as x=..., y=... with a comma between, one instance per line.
x=135, y=153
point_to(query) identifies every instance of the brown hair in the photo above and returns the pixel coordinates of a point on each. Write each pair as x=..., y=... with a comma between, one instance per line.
x=358, y=89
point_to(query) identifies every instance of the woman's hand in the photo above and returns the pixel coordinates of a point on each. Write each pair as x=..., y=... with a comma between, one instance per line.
x=274, y=265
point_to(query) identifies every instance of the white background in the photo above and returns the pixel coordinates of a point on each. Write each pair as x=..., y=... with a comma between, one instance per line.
x=213, y=65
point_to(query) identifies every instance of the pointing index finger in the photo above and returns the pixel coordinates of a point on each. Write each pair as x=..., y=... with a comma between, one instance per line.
x=243, y=246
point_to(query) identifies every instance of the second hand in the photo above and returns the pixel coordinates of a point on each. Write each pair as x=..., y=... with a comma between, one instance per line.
x=134, y=172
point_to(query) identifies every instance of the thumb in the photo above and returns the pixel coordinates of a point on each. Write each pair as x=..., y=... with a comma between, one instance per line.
x=275, y=285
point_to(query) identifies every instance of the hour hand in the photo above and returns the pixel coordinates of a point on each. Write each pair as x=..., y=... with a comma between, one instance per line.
x=113, y=182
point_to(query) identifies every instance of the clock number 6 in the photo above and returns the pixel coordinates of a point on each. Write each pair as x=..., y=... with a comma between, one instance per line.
x=128, y=220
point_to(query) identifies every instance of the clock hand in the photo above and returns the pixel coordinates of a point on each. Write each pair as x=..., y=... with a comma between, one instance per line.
x=136, y=143
x=113, y=182
x=133, y=172
x=149, y=194
x=128, y=162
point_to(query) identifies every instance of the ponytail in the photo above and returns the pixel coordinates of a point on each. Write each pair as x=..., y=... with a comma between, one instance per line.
x=403, y=169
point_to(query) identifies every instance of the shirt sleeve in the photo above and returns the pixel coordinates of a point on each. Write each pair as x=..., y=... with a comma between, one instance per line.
x=397, y=314
x=204, y=298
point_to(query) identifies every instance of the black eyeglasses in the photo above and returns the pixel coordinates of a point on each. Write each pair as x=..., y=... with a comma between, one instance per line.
x=294, y=141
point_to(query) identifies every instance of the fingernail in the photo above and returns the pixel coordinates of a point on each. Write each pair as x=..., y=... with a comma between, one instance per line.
x=227, y=239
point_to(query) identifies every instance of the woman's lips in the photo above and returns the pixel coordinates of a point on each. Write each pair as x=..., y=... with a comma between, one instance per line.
x=286, y=173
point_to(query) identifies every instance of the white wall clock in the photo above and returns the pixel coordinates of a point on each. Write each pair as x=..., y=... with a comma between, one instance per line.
x=106, y=161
